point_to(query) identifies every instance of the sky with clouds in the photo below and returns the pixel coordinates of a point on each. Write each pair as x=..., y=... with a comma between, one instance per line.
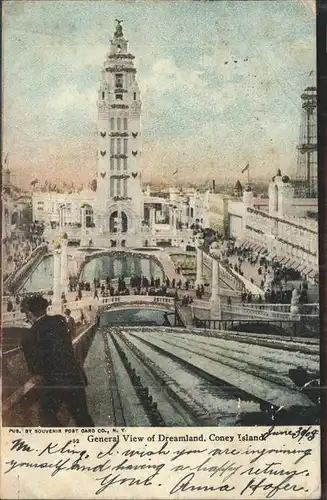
x=203, y=113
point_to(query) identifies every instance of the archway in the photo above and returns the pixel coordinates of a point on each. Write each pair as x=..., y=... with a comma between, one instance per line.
x=14, y=218
x=276, y=199
x=113, y=221
x=89, y=222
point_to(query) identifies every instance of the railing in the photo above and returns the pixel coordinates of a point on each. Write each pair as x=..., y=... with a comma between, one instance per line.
x=75, y=306
x=297, y=328
x=311, y=308
x=20, y=407
x=255, y=312
x=17, y=276
x=225, y=273
x=130, y=299
x=200, y=304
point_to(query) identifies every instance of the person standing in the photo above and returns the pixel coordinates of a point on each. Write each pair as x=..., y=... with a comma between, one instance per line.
x=49, y=354
x=71, y=325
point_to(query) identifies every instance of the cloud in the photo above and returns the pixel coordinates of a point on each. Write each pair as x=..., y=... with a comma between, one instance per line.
x=199, y=114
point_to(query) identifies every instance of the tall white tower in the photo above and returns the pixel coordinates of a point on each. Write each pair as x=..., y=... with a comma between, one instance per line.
x=119, y=206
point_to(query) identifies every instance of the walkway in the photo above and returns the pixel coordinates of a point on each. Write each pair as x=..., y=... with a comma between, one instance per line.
x=249, y=271
x=168, y=266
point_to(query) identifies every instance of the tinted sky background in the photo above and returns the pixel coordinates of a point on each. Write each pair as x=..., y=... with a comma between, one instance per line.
x=200, y=115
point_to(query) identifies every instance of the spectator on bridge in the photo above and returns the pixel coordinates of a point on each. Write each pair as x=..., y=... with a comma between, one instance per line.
x=71, y=325
x=166, y=320
x=49, y=354
x=10, y=306
x=95, y=296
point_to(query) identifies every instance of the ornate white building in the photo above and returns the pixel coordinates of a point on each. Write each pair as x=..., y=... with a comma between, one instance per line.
x=118, y=212
x=119, y=203
x=282, y=227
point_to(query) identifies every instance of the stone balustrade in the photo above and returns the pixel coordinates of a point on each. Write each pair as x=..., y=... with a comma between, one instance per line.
x=247, y=312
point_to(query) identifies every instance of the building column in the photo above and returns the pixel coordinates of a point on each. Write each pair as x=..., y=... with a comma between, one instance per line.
x=199, y=264
x=175, y=223
x=137, y=266
x=56, y=277
x=152, y=219
x=84, y=240
x=215, y=298
x=119, y=225
x=64, y=266
x=153, y=266
x=146, y=269
x=83, y=219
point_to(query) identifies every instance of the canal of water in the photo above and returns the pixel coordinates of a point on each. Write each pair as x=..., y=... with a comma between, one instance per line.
x=101, y=267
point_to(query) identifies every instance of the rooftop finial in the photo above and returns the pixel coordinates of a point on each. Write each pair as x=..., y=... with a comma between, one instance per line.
x=119, y=28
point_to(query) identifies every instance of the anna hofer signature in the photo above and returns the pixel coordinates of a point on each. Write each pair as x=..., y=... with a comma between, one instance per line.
x=208, y=470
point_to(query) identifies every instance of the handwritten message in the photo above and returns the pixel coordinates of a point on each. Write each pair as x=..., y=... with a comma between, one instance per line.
x=162, y=463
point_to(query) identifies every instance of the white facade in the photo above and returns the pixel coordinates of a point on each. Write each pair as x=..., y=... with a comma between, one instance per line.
x=288, y=237
x=51, y=206
x=119, y=203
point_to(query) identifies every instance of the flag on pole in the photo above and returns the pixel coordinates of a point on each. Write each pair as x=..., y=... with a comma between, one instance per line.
x=245, y=168
x=6, y=160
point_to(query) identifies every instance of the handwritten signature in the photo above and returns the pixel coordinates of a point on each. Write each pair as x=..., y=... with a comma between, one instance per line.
x=188, y=469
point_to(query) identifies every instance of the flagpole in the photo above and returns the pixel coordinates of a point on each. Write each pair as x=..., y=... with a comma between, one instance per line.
x=249, y=174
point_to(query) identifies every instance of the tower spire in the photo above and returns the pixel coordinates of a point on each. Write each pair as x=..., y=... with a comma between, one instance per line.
x=119, y=29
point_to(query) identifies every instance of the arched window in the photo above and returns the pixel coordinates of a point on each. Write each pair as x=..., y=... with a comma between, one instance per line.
x=113, y=222
x=88, y=216
x=118, y=124
x=125, y=124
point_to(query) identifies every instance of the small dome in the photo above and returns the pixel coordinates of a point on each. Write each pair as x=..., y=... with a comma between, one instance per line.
x=83, y=204
x=247, y=189
x=57, y=246
x=64, y=236
x=285, y=179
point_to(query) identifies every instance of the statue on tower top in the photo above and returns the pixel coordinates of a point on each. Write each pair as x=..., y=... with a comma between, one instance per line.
x=119, y=28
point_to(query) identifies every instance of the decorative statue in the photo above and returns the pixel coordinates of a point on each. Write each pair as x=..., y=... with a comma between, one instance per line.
x=295, y=297
x=119, y=28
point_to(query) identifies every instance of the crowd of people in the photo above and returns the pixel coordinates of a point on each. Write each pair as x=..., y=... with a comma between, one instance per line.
x=272, y=277
x=17, y=250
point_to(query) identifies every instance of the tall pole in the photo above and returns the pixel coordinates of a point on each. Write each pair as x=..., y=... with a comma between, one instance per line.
x=64, y=265
x=215, y=297
x=199, y=263
x=56, y=276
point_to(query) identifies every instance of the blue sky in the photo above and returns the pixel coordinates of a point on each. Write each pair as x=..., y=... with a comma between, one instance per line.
x=203, y=113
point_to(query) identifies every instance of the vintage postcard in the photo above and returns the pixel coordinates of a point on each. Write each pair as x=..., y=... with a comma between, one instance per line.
x=160, y=298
